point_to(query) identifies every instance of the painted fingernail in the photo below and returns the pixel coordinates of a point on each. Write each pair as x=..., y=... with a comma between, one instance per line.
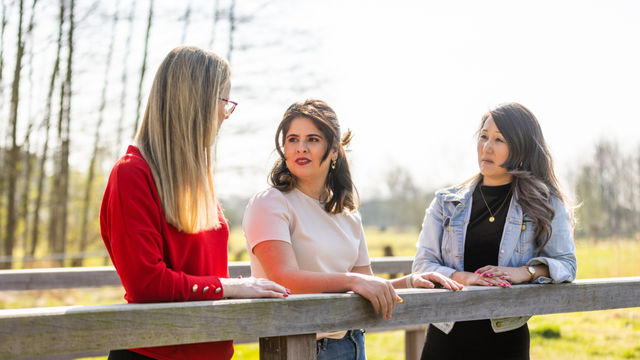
x=477, y=271
x=508, y=285
x=483, y=274
x=502, y=277
x=400, y=300
x=285, y=295
x=490, y=274
x=288, y=291
x=490, y=284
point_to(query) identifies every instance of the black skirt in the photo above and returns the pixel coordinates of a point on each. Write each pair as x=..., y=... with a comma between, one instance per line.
x=476, y=340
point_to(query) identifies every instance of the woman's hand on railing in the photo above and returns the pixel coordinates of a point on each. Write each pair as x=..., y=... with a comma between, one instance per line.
x=428, y=280
x=514, y=275
x=469, y=278
x=378, y=291
x=251, y=287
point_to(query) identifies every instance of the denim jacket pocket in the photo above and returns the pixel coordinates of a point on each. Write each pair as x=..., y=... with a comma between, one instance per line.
x=526, y=242
x=450, y=237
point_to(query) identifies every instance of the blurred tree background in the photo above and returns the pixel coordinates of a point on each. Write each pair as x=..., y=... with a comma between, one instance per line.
x=69, y=107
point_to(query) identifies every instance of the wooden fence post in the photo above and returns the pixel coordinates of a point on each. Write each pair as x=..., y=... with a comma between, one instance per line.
x=413, y=342
x=293, y=347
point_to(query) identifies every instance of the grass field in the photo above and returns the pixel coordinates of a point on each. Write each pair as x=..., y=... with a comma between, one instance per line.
x=611, y=334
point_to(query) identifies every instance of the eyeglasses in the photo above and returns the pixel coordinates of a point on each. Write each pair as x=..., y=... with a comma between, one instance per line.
x=229, y=106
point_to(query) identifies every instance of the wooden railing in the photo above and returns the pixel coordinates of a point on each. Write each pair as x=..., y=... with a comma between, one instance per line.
x=65, y=278
x=286, y=328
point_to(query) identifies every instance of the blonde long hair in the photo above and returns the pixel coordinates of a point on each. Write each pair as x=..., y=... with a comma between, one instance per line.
x=178, y=132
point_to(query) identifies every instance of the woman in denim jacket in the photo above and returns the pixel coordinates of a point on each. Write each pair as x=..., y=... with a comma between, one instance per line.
x=508, y=225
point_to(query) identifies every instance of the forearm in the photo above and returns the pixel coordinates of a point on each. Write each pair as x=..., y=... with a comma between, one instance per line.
x=402, y=282
x=304, y=282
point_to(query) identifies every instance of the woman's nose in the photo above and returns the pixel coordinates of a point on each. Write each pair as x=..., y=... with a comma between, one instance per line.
x=302, y=147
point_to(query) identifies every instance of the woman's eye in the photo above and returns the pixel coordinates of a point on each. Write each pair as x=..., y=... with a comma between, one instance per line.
x=483, y=137
x=292, y=140
x=499, y=140
x=314, y=139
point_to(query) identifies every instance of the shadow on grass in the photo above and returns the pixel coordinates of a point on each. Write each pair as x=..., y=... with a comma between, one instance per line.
x=547, y=332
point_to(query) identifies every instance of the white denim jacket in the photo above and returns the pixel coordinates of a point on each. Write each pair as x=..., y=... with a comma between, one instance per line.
x=440, y=247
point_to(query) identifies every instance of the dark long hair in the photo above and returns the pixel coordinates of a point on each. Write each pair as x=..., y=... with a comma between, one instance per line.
x=530, y=164
x=340, y=193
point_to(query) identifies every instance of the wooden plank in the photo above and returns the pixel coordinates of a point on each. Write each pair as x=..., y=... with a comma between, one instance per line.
x=58, y=278
x=392, y=265
x=413, y=343
x=293, y=347
x=59, y=330
x=88, y=277
x=85, y=277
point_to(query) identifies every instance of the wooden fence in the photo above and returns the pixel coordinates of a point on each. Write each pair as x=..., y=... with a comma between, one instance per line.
x=286, y=327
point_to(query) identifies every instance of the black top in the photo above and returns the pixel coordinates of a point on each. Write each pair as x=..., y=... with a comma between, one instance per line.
x=476, y=339
x=482, y=242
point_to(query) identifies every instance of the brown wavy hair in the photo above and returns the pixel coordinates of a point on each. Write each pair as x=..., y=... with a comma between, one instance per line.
x=340, y=193
x=530, y=164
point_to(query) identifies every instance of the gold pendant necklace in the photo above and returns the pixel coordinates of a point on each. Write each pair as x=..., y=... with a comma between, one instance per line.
x=491, y=217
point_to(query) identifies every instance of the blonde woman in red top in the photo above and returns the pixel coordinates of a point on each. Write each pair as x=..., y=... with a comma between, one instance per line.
x=160, y=218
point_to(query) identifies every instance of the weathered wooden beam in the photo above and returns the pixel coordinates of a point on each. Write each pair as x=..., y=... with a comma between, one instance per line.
x=58, y=330
x=413, y=343
x=292, y=347
x=66, y=278
x=80, y=277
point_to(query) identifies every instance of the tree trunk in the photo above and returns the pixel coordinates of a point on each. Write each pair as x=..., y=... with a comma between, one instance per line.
x=216, y=6
x=232, y=28
x=64, y=164
x=59, y=188
x=2, y=149
x=46, y=124
x=87, y=203
x=123, y=81
x=3, y=27
x=187, y=19
x=144, y=66
x=12, y=159
x=28, y=158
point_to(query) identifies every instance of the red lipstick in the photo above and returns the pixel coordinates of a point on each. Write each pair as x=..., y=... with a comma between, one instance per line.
x=302, y=161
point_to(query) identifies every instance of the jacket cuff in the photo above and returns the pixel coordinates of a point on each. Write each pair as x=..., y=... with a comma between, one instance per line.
x=205, y=288
x=557, y=272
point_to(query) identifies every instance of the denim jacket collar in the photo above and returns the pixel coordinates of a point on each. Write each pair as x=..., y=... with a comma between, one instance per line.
x=462, y=195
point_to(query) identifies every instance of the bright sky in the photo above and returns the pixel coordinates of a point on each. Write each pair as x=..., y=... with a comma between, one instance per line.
x=412, y=79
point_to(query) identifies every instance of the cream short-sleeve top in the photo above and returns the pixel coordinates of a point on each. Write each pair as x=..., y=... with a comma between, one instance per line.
x=322, y=242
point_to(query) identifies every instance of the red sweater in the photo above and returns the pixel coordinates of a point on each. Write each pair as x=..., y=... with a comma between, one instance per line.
x=155, y=261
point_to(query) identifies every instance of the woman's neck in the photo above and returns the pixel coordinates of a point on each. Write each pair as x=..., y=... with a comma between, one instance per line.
x=497, y=181
x=313, y=189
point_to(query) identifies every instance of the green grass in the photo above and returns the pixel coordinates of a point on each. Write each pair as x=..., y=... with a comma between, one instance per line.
x=611, y=334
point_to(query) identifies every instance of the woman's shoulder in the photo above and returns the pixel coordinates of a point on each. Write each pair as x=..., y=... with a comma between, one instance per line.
x=131, y=165
x=454, y=192
x=270, y=197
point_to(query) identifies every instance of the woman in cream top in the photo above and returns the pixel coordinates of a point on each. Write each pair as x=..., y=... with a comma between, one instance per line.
x=305, y=232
